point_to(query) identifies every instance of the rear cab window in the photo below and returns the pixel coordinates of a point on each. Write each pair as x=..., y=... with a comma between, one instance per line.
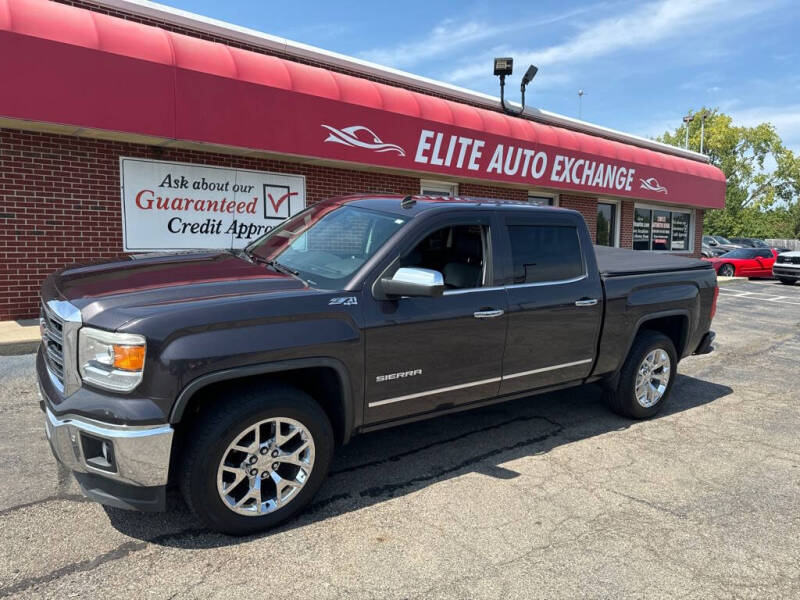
x=544, y=252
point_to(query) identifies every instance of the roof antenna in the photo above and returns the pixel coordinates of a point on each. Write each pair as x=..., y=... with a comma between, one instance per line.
x=407, y=202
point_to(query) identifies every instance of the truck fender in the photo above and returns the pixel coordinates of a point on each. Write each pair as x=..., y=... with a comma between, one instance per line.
x=612, y=380
x=273, y=367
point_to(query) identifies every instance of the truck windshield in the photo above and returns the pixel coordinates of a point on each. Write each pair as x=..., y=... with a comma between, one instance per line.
x=326, y=243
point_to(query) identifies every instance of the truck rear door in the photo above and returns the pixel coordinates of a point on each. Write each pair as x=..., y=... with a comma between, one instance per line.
x=555, y=301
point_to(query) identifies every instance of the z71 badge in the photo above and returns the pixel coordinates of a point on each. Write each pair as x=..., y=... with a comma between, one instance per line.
x=343, y=301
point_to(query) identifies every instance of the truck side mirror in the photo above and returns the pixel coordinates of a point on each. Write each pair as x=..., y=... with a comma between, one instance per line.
x=413, y=281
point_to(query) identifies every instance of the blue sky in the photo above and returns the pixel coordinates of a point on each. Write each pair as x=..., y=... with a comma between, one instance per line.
x=641, y=64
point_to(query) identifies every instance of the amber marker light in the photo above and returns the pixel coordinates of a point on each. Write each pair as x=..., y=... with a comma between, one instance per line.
x=129, y=358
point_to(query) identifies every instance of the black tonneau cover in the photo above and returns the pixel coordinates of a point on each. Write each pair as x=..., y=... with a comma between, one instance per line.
x=617, y=261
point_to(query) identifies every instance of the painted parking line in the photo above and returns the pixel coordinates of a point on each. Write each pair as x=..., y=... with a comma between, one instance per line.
x=772, y=299
x=760, y=296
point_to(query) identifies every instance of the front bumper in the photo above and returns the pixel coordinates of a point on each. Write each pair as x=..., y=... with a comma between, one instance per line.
x=131, y=472
x=784, y=270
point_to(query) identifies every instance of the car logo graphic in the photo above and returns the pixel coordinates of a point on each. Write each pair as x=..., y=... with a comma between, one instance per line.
x=358, y=136
x=652, y=185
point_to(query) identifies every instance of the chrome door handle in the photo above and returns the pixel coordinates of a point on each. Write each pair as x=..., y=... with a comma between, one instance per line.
x=586, y=302
x=488, y=314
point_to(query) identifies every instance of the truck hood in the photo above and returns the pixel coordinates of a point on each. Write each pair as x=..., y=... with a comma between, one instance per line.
x=141, y=280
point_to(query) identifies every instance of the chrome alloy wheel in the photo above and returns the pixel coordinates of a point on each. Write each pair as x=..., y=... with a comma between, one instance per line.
x=265, y=466
x=652, y=377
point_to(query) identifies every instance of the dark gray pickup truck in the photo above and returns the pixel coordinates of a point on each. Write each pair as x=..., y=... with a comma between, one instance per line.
x=235, y=374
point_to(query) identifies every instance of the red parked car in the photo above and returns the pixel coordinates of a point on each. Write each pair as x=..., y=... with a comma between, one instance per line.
x=745, y=262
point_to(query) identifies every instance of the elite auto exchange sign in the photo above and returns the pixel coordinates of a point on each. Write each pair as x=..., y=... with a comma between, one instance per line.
x=178, y=206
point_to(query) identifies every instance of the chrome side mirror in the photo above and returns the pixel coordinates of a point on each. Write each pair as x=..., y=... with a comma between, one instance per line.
x=414, y=281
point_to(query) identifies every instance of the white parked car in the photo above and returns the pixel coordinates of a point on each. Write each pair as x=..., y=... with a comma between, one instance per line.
x=787, y=267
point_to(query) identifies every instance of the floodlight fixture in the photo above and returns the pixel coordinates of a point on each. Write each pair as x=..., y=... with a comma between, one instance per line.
x=504, y=67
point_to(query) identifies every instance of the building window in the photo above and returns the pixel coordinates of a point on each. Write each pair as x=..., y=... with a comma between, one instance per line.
x=538, y=200
x=662, y=229
x=438, y=188
x=606, y=224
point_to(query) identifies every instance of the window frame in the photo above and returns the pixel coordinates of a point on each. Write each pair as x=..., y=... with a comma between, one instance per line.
x=490, y=249
x=554, y=199
x=617, y=219
x=672, y=209
x=511, y=221
x=445, y=188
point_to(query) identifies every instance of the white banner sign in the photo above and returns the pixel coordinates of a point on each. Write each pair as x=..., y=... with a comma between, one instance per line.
x=177, y=206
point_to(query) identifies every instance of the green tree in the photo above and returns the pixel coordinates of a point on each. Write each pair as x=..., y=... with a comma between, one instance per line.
x=763, y=176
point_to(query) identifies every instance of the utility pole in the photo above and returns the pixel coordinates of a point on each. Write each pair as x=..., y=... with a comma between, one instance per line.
x=687, y=119
x=702, y=129
x=580, y=103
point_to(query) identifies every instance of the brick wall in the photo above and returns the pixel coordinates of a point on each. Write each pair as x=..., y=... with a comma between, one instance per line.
x=698, y=233
x=586, y=205
x=60, y=202
x=626, y=224
x=478, y=190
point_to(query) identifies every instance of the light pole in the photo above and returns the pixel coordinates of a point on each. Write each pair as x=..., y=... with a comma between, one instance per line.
x=580, y=103
x=687, y=119
x=702, y=129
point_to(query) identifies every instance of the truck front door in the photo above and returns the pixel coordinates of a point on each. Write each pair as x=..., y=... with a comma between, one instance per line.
x=425, y=354
x=555, y=302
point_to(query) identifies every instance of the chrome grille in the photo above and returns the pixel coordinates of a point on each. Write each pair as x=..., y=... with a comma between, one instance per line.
x=52, y=328
x=795, y=260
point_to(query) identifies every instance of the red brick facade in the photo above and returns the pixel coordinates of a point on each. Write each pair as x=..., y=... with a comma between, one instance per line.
x=586, y=205
x=60, y=202
x=626, y=224
x=477, y=190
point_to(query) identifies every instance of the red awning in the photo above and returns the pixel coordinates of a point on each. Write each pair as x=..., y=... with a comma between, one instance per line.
x=76, y=67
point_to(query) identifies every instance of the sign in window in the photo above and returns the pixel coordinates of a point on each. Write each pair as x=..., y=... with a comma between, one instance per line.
x=661, y=229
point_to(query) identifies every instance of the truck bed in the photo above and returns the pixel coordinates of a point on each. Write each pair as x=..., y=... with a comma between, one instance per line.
x=615, y=262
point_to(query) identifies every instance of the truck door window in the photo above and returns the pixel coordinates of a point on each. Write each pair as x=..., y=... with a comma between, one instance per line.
x=457, y=252
x=545, y=253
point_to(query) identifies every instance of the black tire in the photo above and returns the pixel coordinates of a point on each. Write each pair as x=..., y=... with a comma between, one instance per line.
x=787, y=280
x=210, y=437
x=621, y=398
x=727, y=270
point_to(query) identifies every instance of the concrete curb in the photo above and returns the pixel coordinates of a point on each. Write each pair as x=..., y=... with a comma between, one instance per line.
x=19, y=337
x=723, y=281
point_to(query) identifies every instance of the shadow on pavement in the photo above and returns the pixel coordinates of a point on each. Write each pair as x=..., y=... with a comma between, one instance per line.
x=391, y=463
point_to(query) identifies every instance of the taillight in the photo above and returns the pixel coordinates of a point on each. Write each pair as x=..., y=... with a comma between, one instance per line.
x=714, y=301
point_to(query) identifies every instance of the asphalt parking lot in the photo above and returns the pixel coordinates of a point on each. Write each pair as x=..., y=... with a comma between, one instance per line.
x=545, y=497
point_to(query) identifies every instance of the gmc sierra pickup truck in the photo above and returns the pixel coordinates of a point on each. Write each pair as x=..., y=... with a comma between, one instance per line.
x=234, y=374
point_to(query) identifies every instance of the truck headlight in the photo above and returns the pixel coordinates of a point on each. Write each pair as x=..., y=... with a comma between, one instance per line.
x=114, y=361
